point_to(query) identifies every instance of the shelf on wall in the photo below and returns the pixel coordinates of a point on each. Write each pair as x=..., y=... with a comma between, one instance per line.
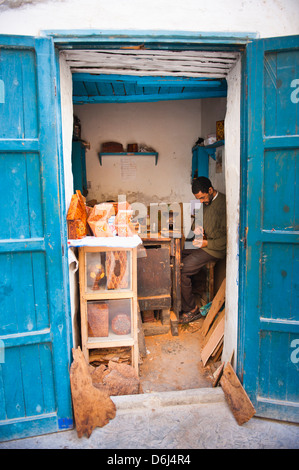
x=210, y=149
x=200, y=157
x=133, y=154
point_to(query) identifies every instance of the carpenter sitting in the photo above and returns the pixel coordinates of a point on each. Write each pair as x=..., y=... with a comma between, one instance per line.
x=209, y=243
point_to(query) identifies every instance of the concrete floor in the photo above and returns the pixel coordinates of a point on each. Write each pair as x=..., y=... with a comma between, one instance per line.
x=186, y=420
x=179, y=410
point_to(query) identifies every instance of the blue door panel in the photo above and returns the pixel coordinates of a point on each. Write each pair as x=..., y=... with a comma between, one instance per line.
x=280, y=281
x=281, y=69
x=17, y=69
x=23, y=293
x=34, y=323
x=280, y=190
x=270, y=253
x=277, y=379
x=20, y=176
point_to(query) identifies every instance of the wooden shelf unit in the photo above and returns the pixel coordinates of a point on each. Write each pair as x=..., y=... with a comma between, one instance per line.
x=120, y=300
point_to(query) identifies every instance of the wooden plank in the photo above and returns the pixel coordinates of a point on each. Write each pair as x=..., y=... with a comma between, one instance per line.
x=213, y=342
x=218, y=318
x=121, y=63
x=218, y=351
x=215, y=307
x=158, y=73
x=195, y=70
x=94, y=56
x=218, y=374
x=236, y=396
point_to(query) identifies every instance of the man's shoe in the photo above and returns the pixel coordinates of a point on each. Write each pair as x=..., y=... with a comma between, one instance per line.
x=190, y=316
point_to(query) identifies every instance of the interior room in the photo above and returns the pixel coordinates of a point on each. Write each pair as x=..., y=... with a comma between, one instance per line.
x=164, y=135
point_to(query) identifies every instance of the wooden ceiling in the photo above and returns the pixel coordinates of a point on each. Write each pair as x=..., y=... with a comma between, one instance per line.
x=101, y=76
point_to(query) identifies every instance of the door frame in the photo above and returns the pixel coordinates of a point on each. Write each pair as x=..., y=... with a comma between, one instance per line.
x=165, y=40
x=184, y=41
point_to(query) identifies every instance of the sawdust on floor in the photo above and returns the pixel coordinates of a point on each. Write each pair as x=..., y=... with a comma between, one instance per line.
x=173, y=362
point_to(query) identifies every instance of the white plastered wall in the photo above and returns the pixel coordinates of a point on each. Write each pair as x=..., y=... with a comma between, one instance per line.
x=170, y=127
x=266, y=17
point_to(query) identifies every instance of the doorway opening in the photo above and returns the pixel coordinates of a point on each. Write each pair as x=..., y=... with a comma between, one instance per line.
x=169, y=126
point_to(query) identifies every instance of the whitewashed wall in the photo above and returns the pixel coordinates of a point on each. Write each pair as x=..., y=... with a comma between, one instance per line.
x=267, y=18
x=171, y=127
x=232, y=178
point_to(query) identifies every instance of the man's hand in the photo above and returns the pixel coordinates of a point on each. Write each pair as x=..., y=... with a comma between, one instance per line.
x=199, y=231
x=200, y=243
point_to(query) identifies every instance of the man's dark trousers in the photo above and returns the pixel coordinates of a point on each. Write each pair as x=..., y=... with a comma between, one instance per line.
x=193, y=260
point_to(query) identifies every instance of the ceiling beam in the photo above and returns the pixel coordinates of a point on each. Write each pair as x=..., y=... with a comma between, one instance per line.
x=150, y=98
x=149, y=80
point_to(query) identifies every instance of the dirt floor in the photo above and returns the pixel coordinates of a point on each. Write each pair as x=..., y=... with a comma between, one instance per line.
x=173, y=362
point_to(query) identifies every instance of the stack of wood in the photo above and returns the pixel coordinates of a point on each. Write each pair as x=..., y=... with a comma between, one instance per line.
x=104, y=355
x=213, y=328
x=213, y=333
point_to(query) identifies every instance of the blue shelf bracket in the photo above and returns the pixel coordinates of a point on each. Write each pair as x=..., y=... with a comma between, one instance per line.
x=200, y=157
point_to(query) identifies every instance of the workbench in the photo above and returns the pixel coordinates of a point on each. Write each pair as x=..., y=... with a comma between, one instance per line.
x=159, y=279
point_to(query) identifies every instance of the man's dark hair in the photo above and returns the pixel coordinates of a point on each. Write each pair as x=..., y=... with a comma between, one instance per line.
x=201, y=184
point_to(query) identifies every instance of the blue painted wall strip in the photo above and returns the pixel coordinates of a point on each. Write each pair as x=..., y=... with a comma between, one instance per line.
x=182, y=39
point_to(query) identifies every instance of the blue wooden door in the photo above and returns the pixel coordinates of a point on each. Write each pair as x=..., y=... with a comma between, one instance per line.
x=34, y=332
x=269, y=328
